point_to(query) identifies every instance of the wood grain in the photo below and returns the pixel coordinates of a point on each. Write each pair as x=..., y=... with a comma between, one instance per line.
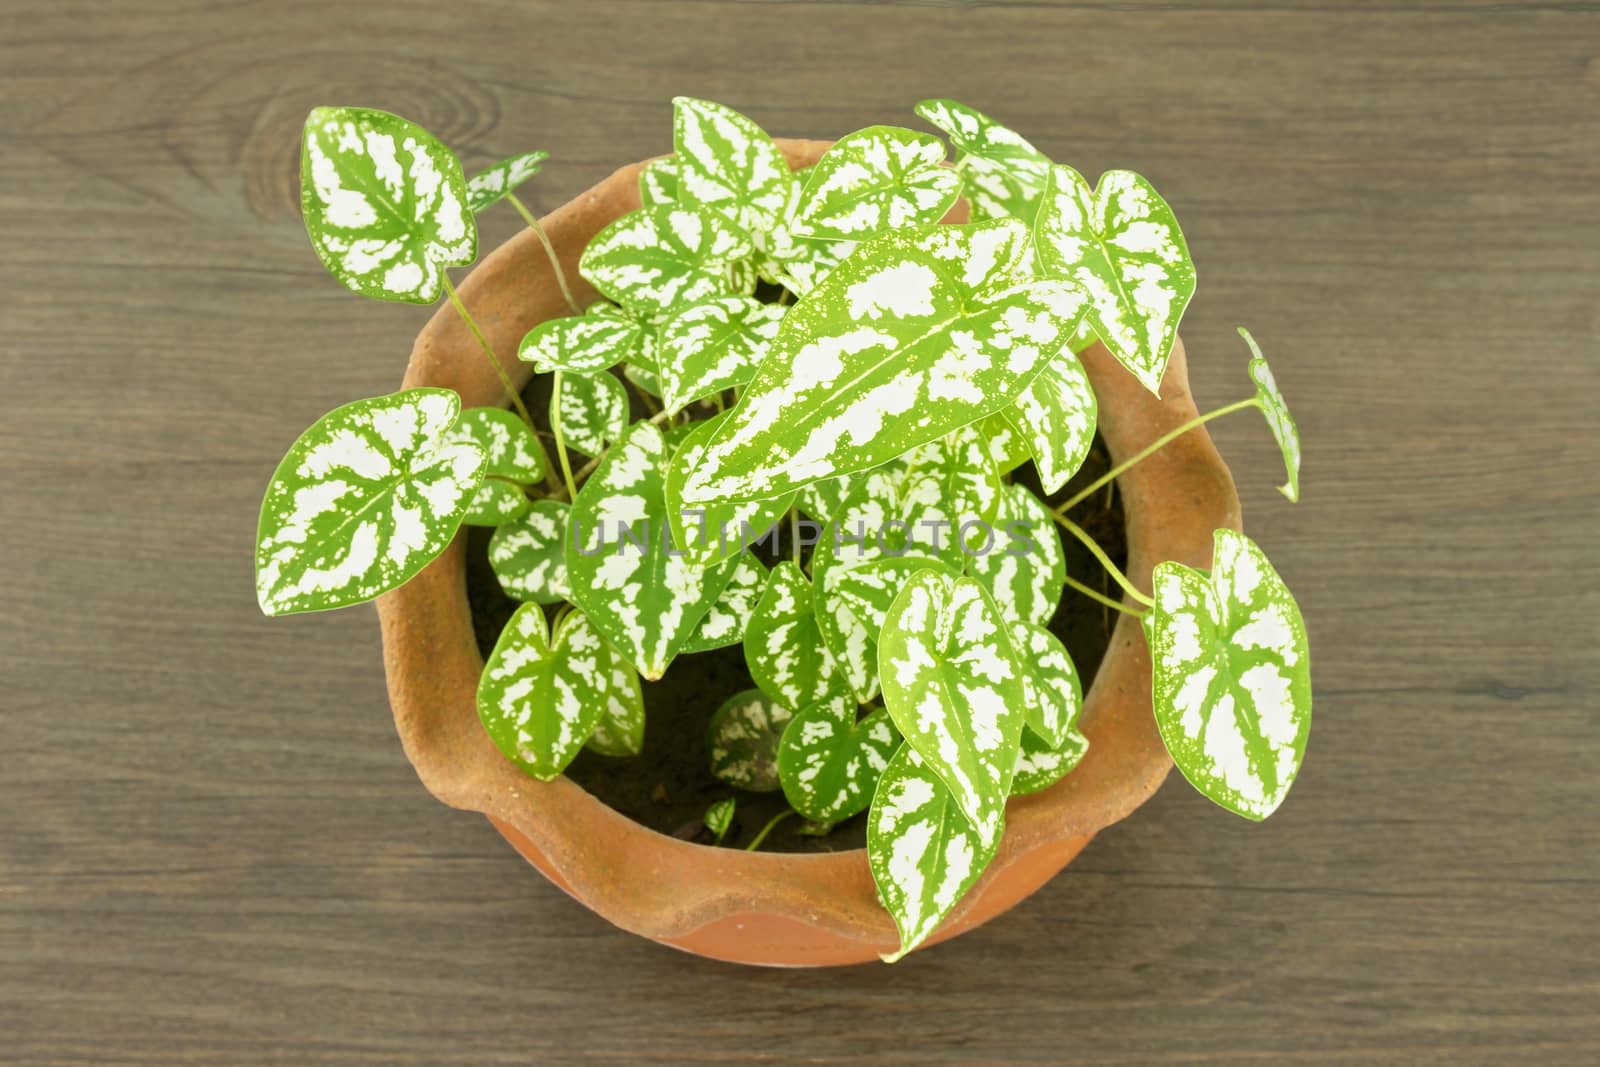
x=211, y=848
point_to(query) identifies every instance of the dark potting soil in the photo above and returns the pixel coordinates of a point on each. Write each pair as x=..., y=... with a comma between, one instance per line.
x=669, y=785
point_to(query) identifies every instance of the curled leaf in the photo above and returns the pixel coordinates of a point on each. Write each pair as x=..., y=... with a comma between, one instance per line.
x=1282, y=424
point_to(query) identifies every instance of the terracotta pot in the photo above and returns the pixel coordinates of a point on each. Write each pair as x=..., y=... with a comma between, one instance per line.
x=766, y=908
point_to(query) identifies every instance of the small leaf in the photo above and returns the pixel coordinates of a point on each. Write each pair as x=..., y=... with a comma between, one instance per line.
x=620, y=731
x=717, y=531
x=583, y=343
x=540, y=697
x=1282, y=424
x=829, y=763
x=529, y=554
x=742, y=742
x=714, y=345
x=1121, y=245
x=923, y=851
x=825, y=500
x=512, y=450
x=1039, y=766
x=728, y=163
x=492, y=184
x=873, y=181
x=1053, y=695
x=496, y=502
x=783, y=647
x=725, y=623
x=1005, y=175
x=659, y=259
x=384, y=203
x=952, y=485
x=954, y=687
x=1007, y=449
x=1056, y=415
x=363, y=500
x=592, y=410
x=719, y=819
x=658, y=182
x=1022, y=565
x=1232, y=687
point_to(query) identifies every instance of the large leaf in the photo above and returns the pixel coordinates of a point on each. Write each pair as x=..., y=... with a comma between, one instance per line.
x=659, y=259
x=714, y=345
x=875, y=180
x=384, y=203
x=1021, y=565
x=1122, y=245
x=529, y=554
x=540, y=697
x=642, y=594
x=1232, y=687
x=742, y=740
x=903, y=343
x=592, y=410
x=363, y=500
x=716, y=531
x=783, y=647
x=1282, y=424
x=1053, y=694
x=490, y=185
x=1005, y=175
x=954, y=687
x=729, y=164
x=923, y=851
x=1056, y=416
x=584, y=343
x=725, y=623
x=829, y=763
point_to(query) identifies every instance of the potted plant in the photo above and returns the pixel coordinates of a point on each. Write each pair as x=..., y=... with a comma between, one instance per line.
x=825, y=404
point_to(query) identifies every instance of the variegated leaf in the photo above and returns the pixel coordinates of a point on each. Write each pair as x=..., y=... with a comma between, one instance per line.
x=725, y=623
x=951, y=485
x=384, y=203
x=592, y=410
x=583, y=343
x=1122, y=246
x=1054, y=694
x=641, y=592
x=620, y=731
x=875, y=180
x=1282, y=424
x=824, y=500
x=659, y=259
x=783, y=647
x=491, y=184
x=658, y=182
x=1022, y=565
x=1039, y=766
x=1232, y=687
x=716, y=531
x=529, y=554
x=496, y=502
x=540, y=697
x=924, y=853
x=712, y=346
x=903, y=344
x=742, y=741
x=1056, y=416
x=829, y=763
x=810, y=262
x=719, y=819
x=362, y=501
x=729, y=164
x=954, y=687
x=511, y=449
x=1007, y=448
x=1005, y=175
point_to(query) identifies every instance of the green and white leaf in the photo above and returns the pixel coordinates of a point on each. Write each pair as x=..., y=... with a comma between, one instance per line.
x=1056, y=416
x=825, y=500
x=540, y=697
x=954, y=687
x=620, y=731
x=646, y=598
x=529, y=554
x=384, y=203
x=658, y=182
x=714, y=345
x=492, y=184
x=586, y=344
x=829, y=763
x=1008, y=450
x=592, y=410
x=1232, y=688
x=1121, y=244
x=725, y=623
x=1022, y=566
x=1052, y=690
x=783, y=646
x=512, y=451
x=742, y=741
x=1005, y=174
x=953, y=481
x=875, y=180
x=1039, y=766
x=903, y=344
x=496, y=502
x=728, y=163
x=659, y=259
x=923, y=851
x=716, y=531
x=719, y=819
x=1282, y=424
x=362, y=501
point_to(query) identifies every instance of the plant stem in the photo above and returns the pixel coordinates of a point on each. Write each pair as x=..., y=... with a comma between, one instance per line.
x=1151, y=449
x=561, y=442
x=494, y=361
x=549, y=250
x=1104, y=560
x=767, y=829
x=794, y=533
x=1099, y=597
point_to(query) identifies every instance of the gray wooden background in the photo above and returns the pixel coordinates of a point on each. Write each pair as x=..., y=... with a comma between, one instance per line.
x=211, y=848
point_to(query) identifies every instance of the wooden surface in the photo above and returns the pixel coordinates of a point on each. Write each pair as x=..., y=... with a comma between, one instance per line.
x=211, y=848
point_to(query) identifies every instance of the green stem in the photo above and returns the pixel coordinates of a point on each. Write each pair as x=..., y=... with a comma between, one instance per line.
x=494, y=361
x=1151, y=449
x=794, y=533
x=549, y=250
x=767, y=829
x=1104, y=560
x=561, y=442
x=1096, y=595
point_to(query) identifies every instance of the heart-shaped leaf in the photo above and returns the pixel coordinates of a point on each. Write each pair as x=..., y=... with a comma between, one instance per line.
x=658, y=182
x=491, y=184
x=591, y=409
x=1282, y=424
x=1232, y=687
x=783, y=647
x=384, y=203
x=728, y=163
x=900, y=346
x=719, y=819
x=875, y=180
x=362, y=501
x=1122, y=245
x=1053, y=694
x=1005, y=175
x=1056, y=415
x=742, y=741
x=717, y=531
x=829, y=763
x=1039, y=766
x=923, y=851
x=529, y=554
x=645, y=597
x=725, y=623
x=620, y=731
x=1021, y=564
x=825, y=500
x=659, y=259
x=512, y=451
x=584, y=343
x=714, y=345
x=954, y=490
x=954, y=687
x=540, y=697
x=496, y=502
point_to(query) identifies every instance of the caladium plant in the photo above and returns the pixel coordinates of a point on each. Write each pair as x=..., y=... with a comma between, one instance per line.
x=800, y=408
